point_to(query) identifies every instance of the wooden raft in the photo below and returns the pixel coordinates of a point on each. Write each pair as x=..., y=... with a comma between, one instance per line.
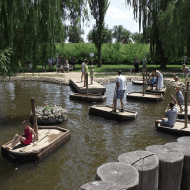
x=104, y=111
x=160, y=91
x=178, y=128
x=182, y=115
x=139, y=82
x=94, y=88
x=49, y=139
x=89, y=98
x=152, y=97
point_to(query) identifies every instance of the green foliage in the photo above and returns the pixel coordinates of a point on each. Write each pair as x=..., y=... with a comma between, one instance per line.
x=5, y=61
x=98, y=11
x=111, y=53
x=121, y=34
x=49, y=108
x=174, y=28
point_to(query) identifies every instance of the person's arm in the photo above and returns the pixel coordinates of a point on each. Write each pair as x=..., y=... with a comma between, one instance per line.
x=117, y=85
x=32, y=131
x=167, y=108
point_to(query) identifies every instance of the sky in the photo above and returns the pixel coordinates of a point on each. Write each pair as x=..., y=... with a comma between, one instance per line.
x=117, y=14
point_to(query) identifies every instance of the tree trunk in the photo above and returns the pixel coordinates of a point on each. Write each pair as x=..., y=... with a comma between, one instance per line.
x=163, y=58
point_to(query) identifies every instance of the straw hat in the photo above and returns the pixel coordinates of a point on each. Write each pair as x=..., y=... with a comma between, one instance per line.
x=92, y=66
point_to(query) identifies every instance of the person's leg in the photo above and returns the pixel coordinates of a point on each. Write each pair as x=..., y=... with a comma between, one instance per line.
x=16, y=139
x=114, y=103
x=121, y=100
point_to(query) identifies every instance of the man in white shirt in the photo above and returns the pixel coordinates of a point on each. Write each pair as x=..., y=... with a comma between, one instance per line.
x=119, y=91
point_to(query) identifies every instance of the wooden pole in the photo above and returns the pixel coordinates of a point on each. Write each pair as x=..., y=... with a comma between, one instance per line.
x=183, y=147
x=186, y=115
x=147, y=165
x=146, y=73
x=123, y=174
x=86, y=84
x=170, y=167
x=143, y=85
x=34, y=118
x=157, y=83
x=187, y=87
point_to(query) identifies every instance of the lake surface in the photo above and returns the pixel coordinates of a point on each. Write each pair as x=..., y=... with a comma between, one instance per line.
x=94, y=140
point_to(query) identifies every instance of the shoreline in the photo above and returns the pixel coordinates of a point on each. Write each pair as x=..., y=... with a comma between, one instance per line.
x=63, y=78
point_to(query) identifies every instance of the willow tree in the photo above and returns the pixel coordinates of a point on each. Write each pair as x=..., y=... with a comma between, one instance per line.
x=98, y=10
x=148, y=12
x=29, y=27
x=174, y=28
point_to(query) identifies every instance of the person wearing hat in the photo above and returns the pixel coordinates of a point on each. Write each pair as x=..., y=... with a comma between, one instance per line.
x=179, y=97
x=186, y=70
x=176, y=79
x=92, y=74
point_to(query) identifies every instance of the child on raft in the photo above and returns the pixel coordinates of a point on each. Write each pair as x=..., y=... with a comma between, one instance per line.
x=27, y=139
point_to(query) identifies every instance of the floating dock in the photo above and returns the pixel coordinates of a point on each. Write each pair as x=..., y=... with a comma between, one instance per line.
x=105, y=111
x=94, y=88
x=151, y=97
x=178, y=128
x=49, y=139
x=139, y=82
x=160, y=91
x=89, y=98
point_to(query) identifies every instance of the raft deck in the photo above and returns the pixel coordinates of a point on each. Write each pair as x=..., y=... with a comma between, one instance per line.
x=94, y=88
x=105, y=111
x=182, y=114
x=178, y=128
x=139, y=82
x=160, y=91
x=89, y=98
x=49, y=139
x=151, y=97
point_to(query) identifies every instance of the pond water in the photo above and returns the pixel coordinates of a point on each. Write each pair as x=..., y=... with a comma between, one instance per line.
x=94, y=140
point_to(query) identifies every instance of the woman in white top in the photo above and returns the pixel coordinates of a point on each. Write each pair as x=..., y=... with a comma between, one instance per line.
x=160, y=83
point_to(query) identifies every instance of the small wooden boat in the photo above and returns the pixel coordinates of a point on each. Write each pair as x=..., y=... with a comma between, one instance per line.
x=151, y=97
x=105, y=111
x=182, y=114
x=178, y=129
x=160, y=91
x=88, y=98
x=49, y=139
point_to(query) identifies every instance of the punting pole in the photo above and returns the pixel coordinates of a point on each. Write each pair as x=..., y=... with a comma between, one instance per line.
x=187, y=86
x=146, y=74
x=157, y=83
x=34, y=118
x=186, y=116
x=143, y=85
x=86, y=84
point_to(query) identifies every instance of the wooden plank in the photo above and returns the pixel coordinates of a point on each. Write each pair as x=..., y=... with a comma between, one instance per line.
x=160, y=91
x=178, y=129
x=147, y=97
x=89, y=98
x=105, y=111
x=94, y=88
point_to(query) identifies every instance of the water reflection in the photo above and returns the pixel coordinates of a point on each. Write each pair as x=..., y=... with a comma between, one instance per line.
x=94, y=140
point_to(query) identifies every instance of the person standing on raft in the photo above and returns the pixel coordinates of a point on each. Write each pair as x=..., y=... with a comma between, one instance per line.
x=160, y=83
x=27, y=139
x=119, y=91
x=186, y=70
x=171, y=112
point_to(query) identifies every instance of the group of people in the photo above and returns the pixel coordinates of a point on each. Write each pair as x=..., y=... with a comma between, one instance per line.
x=137, y=63
x=84, y=70
x=171, y=110
x=62, y=65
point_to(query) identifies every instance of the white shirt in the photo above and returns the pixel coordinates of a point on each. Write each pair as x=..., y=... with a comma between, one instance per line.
x=83, y=64
x=122, y=82
x=172, y=115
